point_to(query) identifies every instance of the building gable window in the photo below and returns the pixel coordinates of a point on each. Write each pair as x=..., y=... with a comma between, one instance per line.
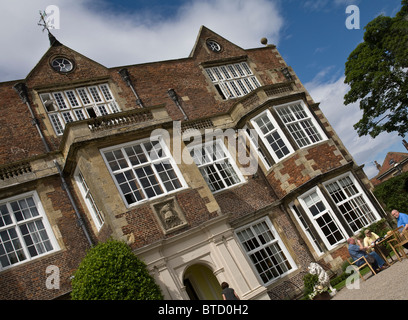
x=300, y=123
x=233, y=80
x=25, y=233
x=143, y=170
x=265, y=250
x=78, y=104
x=216, y=165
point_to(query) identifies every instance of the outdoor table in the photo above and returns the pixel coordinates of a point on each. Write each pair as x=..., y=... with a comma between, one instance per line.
x=378, y=249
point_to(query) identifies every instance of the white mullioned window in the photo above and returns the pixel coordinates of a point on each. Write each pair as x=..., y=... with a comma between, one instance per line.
x=96, y=214
x=143, y=170
x=78, y=104
x=272, y=136
x=253, y=140
x=306, y=227
x=324, y=220
x=300, y=123
x=233, y=80
x=266, y=251
x=352, y=202
x=216, y=165
x=25, y=233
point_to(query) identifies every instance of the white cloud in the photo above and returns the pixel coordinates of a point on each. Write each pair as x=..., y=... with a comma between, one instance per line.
x=115, y=38
x=342, y=118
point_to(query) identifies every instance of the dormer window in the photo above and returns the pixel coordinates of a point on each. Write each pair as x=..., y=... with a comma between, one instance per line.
x=78, y=104
x=233, y=80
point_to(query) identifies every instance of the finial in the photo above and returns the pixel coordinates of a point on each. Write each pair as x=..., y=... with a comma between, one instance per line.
x=47, y=26
x=43, y=23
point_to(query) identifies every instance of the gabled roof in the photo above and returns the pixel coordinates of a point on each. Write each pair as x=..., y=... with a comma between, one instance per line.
x=200, y=47
x=43, y=74
x=390, y=160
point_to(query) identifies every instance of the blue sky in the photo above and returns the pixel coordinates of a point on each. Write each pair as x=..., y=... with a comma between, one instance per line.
x=311, y=35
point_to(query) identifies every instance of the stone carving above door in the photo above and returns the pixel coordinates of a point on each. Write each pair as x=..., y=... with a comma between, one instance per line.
x=169, y=215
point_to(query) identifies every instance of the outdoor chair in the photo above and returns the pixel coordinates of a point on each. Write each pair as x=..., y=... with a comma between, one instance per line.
x=358, y=268
x=397, y=242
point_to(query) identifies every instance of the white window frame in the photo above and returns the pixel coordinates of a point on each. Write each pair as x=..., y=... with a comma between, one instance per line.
x=328, y=211
x=106, y=105
x=16, y=225
x=306, y=229
x=253, y=140
x=352, y=199
x=277, y=130
x=167, y=158
x=205, y=162
x=296, y=121
x=276, y=242
x=96, y=214
x=233, y=80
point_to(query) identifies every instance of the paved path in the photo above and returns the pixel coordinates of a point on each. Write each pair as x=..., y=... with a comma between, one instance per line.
x=389, y=284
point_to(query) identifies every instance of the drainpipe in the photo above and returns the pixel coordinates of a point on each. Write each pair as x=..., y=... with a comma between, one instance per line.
x=71, y=199
x=173, y=95
x=124, y=73
x=22, y=92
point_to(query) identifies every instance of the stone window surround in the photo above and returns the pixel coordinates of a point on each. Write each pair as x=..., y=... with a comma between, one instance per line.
x=40, y=217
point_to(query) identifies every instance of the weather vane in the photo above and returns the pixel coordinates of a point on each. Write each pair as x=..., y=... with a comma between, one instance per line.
x=44, y=23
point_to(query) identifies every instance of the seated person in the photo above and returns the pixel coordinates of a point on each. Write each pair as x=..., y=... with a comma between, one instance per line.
x=402, y=220
x=369, y=239
x=357, y=251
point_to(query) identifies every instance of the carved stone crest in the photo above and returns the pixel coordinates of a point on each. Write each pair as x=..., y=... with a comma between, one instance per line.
x=169, y=215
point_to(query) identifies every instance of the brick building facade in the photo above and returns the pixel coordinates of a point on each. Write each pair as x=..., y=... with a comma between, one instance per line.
x=214, y=167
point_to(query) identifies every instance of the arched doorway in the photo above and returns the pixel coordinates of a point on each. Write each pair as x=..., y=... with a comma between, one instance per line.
x=201, y=284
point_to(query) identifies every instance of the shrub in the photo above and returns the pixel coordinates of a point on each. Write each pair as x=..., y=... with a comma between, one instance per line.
x=110, y=271
x=309, y=281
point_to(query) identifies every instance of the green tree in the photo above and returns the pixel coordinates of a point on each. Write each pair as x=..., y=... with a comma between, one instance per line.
x=110, y=271
x=392, y=193
x=376, y=71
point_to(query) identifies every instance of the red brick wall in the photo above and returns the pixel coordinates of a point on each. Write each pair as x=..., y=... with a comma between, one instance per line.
x=324, y=160
x=145, y=228
x=28, y=280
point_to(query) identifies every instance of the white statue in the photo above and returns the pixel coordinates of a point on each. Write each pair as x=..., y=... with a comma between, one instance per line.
x=324, y=279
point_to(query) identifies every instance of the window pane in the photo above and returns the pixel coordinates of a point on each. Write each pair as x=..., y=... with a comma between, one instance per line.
x=215, y=165
x=233, y=80
x=264, y=251
x=5, y=218
x=78, y=104
x=11, y=250
x=151, y=173
x=168, y=176
x=300, y=124
x=351, y=203
x=136, y=154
